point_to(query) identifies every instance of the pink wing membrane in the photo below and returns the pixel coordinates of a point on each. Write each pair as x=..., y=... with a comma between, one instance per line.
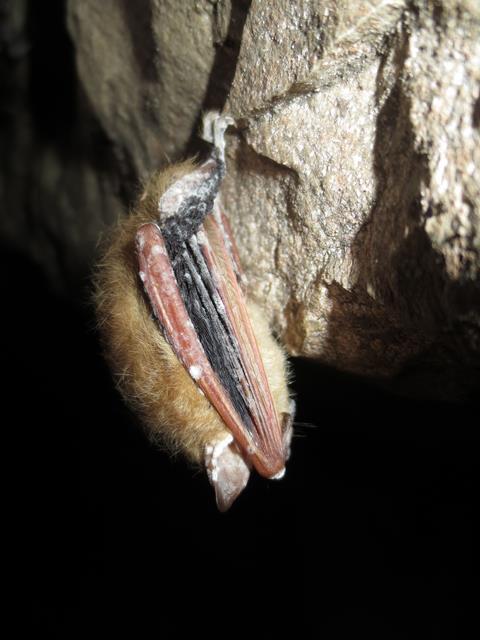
x=263, y=447
x=268, y=459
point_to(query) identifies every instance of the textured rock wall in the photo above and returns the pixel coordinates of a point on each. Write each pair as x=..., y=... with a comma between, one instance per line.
x=354, y=173
x=357, y=179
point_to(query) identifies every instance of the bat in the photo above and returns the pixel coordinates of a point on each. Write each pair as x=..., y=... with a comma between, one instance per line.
x=192, y=356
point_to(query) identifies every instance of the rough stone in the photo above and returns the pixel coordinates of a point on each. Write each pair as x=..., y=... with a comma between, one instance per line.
x=355, y=177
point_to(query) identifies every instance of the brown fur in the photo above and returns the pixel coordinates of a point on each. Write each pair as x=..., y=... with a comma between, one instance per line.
x=148, y=374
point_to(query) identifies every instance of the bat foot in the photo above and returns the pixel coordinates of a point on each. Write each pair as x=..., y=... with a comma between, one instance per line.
x=214, y=126
x=227, y=471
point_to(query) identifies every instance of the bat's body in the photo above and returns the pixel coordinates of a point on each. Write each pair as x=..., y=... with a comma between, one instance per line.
x=180, y=338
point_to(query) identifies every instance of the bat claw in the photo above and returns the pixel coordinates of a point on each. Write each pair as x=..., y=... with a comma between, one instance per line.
x=214, y=126
x=227, y=471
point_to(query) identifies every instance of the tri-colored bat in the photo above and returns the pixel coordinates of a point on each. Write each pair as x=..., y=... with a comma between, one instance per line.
x=190, y=354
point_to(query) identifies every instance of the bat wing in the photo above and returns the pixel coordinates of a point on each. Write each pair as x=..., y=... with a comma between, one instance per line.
x=201, y=310
x=193, y=280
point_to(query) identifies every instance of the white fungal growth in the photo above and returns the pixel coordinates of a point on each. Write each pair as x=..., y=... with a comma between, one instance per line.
x=212, y=454
x=142, y=276
x=173, y=197
x=226, y=469
x=279, y=475
x=157, y=249
x=214, y=126
x=195, y=371
x=201, y=238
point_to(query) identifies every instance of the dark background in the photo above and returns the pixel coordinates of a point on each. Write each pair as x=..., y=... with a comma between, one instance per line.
x=371, y=531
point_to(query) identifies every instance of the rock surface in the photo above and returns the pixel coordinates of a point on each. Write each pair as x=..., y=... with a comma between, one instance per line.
x=357, y=179
x=354, y=169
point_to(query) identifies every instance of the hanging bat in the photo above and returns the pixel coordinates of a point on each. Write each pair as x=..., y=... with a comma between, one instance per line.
x=193, y=357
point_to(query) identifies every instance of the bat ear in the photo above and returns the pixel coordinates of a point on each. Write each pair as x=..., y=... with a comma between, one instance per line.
x=227, y=471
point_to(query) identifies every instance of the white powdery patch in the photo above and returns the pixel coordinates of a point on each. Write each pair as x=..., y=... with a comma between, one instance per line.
x=201, y=238
x=173, y=197
x=227, y=470
x=195, y=371
x=142, y=275
x=157, y=250
x=214, y=126
x=140, y=240
x=279, y=475
x=213, y=453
